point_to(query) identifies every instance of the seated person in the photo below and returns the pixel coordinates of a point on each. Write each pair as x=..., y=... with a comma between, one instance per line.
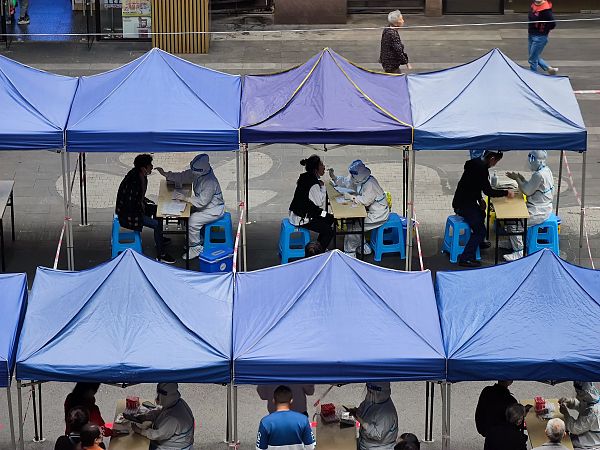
x=83, y=396
x=308, y=209
x=492, y=404
x=91, y=437
x=555, y=431
x=585, y=429
x=539, y=191
x=408, y=441
x=509, y=435
x=368, y=193
x=299, y=393
x=76, y=418
x=134, y=210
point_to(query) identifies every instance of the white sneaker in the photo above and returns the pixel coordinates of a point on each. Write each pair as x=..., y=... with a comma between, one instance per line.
x=367, y=249
x=552, y=70
x=513, y=256
x=193, y=252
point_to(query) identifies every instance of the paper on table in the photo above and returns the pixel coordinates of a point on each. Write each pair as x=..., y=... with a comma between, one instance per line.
x=172, y=208
x=341, y=200
x=343, y=190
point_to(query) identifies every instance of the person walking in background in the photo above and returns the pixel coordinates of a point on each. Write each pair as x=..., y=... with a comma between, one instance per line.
x=392, y=54
x=541, y=22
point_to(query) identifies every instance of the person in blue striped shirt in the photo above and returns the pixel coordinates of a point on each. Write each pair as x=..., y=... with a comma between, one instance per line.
x=284, y=429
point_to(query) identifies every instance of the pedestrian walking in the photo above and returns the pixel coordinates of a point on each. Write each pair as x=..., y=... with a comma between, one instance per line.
x=23, y=12
x=392, y=54
x=541, y=22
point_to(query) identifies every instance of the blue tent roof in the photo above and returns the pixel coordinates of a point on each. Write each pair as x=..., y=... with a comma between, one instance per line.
x=332, y=318
x=158, y=103
x=326, y=100
x=532, y=319
x=129, y=320
x=493, y=103
x=13, y=302
x=35, y=107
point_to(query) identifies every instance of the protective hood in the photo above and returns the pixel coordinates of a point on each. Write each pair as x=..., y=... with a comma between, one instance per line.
x=200, y=164
x=167, y=394
x=537, y=159
x=359, y=172
x=378, y=392
x=586, y=392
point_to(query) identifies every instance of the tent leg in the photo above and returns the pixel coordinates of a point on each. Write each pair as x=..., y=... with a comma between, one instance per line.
x=36, y=436
x=246, y=182
x=66, y=205
x=81, y=213
x=446, y=389
x=411, y=209
x=245, y=200
x=11, y=419
x=69, y=207
x=404, y=179
x=560, y=169
x=582, y=213
x=85, y=202
x=20, y=408
x=429, y=397
x=234, y=414
x=42, y=439
x=239, y=199
x=228, y=408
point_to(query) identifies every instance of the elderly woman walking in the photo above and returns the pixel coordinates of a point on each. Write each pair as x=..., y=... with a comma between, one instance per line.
x=392, y=54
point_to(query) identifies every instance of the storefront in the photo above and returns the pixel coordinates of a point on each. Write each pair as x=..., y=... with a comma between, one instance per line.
x=118, y=19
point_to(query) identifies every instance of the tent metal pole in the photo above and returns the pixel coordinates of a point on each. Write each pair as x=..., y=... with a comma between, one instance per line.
x=560, y=169
x=36, y=436
x=245, y=200
x=239, y=199
x=411, y=209
x=11, y=419
x=246, y=182
x=69, y=209
x=66, y=203
x=582, y=213
x=228, y=409
x=444, y=389
x=81, y=213
x=20, y=408
x=235, y=415
x=42, y=439
x=429, y=397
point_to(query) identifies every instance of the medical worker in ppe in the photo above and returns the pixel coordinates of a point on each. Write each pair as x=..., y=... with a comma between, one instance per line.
x=206, y=200
x=378, y=418
x=539, y=190
x=367, y=192
x=172, y=421
x=585, y=429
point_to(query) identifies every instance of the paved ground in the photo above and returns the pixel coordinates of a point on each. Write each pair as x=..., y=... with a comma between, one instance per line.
x=573, y=47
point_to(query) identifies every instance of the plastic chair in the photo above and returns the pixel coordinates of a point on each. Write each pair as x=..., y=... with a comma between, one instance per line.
x=121, y=241
x=389, y=237
x=218, y=234
x=292, y=241
x=544, y=235
x=456, y=236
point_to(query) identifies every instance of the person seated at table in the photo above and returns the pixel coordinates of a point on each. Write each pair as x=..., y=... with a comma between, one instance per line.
x=83, y=396
x=369, y=193
x=508, y=435
x=308, y=209
x=134, y=210
x=470, y=205
x=299, y=393
x=408, y=441
x=539, y=190
x=91, y=437
x=492, y=404
x=555, y=431
x=76, y=418
x=206, y=200
x=585, y=429
x=172, y=422
x=313, y=249
x=378, y=418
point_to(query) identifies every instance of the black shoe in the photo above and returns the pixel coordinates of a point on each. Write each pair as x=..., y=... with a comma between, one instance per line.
x=24, y=20
x=166, y=258
x=469, y=263
x=484, y=245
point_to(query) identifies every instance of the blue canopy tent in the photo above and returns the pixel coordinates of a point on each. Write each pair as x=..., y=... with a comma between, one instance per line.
x=12, y=308
x=326, y=100
x=293, y=323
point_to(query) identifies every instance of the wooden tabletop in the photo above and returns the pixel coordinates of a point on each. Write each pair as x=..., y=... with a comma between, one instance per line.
x=536, y=426
x=165, y=195
x=132, y=441
x=6, y=188
x=346, y=210
x=330, y=436
x=510, y=208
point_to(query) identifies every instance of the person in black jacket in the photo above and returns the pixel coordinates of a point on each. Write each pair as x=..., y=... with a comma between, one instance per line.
x=491, y=407
x=392, y=54
x=470, y=205
x=541, y=21
x=509, y=435
x=307, y=209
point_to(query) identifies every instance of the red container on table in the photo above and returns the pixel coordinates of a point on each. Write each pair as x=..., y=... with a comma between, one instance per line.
x=132, y=403
x=540, y=404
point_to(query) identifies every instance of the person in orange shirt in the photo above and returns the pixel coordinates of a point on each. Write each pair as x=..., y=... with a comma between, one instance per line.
x=91, y=437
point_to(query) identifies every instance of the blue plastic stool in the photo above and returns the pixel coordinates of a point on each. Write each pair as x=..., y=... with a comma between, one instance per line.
x=218, y=234
x=389, y=237
x=544, y=235
x=292, y=241
x=456, y=236
x=121, y=241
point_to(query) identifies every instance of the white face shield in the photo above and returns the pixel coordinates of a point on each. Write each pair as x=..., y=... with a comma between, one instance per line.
x=378, y=392
x=586, y=392
x=200, y=164
x=167, y=394
x=359, y=172
x=537, y=159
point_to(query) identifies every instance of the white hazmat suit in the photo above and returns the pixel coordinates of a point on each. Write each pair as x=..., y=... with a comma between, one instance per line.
x=172, y=422
x=368, y=193
x=378, y=418
x=539, y=190
x=206, y=200
x=585, y=430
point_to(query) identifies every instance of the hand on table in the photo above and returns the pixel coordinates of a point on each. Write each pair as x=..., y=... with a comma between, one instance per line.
x=512, y=175
x=179, y=196
x=510, y=193
x=350, y=197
